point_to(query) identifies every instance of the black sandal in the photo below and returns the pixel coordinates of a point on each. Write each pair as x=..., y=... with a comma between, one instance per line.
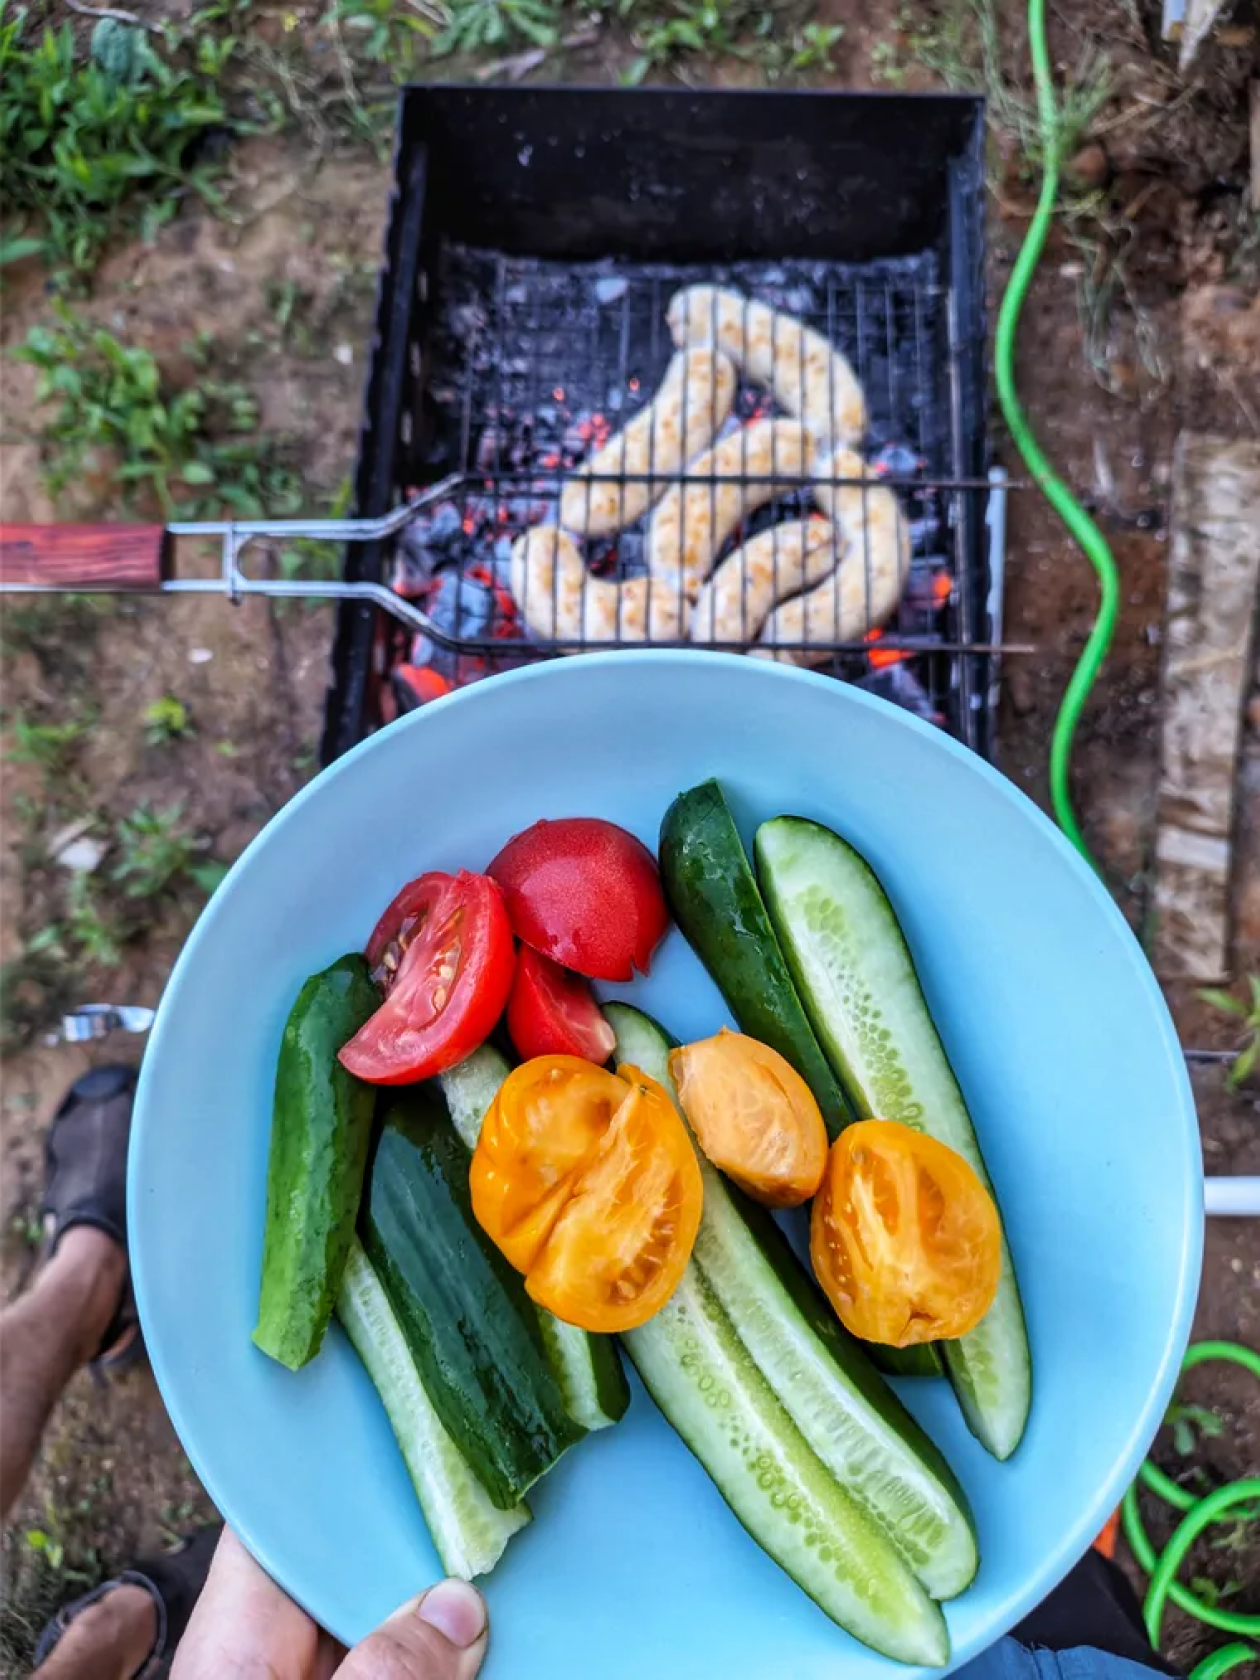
x=174, y=1581
x=85, y=1155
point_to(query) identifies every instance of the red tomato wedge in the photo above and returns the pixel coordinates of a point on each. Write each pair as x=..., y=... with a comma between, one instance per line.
x=551, y=1012
x=584, y=893
x=443, y=955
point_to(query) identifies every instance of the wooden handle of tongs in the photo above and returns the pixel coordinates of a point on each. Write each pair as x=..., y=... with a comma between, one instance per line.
x=85, y=557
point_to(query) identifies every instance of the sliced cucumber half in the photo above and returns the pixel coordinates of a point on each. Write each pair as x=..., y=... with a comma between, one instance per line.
x=469, y=1531
x=850, y=1418
x=857, y=980
x=470, y=1087
x=706, y=1383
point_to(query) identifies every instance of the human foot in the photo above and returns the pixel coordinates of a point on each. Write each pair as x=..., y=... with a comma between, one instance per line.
x=134, y=1621
x=85, y=1205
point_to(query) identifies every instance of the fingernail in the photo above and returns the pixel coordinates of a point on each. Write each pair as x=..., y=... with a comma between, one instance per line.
x=456, y=1610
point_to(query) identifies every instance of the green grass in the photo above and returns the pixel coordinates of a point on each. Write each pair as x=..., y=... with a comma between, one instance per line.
x=115, y=414
x=166, y=720
x=98, y=145
x=95, y=932
x=1247, y=1015
x=394, y=33
x=154, y=850
x=50, y=745
x=886, y=64
x=962, y=44
x=782, y=41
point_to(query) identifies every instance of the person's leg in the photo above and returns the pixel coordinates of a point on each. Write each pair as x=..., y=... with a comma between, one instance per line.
x=110, y=1640
x=78, y=1299
x=45, y=1336
x=132, y=1624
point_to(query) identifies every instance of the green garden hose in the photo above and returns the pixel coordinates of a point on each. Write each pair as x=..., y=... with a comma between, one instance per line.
x=1162, y=1567
x=1056, y=492
x=1196, y=1513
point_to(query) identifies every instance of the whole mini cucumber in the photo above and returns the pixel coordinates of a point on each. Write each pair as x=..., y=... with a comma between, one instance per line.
x=716, y=903
x=321, y=1126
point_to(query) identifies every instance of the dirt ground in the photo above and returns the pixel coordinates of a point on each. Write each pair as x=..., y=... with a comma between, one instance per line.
x=112, y=1480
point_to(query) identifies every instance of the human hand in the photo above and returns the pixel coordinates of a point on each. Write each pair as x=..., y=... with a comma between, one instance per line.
x=245, y=1628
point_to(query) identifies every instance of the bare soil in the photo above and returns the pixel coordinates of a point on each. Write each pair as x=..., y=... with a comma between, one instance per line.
x=112, y=1480
x=1181, y=348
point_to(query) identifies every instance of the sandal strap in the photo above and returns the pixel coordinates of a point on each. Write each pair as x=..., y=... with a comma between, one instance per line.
x=68, y=1614
x=173, y=1581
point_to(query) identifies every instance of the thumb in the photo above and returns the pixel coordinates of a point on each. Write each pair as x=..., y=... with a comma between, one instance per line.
x=440, y=1636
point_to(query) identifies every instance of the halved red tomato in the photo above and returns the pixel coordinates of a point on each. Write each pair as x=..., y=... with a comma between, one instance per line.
x=551, y=1012
x=443, y=955
x=586, y=894
x=399, y=922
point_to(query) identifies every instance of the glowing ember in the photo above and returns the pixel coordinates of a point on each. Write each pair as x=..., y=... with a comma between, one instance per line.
x=424, y=682
x=881, y=658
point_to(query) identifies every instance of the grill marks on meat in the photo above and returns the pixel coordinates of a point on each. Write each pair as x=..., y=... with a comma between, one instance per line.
x=813, y=581
x=806, y=374
x=683, y=418
x=732, y=480
x=865, y=587
x=561, y=601
x=777, y=563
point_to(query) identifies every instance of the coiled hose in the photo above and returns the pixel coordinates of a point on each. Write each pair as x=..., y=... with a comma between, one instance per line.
x=1196, y=1513
x=1162, y=1567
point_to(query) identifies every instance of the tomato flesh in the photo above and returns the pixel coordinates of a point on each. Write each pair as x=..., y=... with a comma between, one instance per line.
x=753, y=1115
x=544, y=1125
x=622, y=1241
x=443, y=956
x=551, y=1012
x=588, y=1183
x=401, y=921
x=586, y=894
x=905, y=1239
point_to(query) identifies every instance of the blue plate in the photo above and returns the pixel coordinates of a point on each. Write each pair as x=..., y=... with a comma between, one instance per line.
x=1052, y=1020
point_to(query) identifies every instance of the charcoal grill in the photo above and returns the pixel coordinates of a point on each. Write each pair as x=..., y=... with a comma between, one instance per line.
x=535, y=239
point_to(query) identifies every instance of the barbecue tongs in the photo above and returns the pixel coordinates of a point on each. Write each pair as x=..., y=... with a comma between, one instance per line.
x=114, y=558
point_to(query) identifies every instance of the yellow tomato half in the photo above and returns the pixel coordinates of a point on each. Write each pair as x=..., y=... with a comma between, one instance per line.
x=588, y=1183
x=905, y=1239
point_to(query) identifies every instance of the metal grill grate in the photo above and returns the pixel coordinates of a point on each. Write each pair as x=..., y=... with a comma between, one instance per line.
x=537, y=364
